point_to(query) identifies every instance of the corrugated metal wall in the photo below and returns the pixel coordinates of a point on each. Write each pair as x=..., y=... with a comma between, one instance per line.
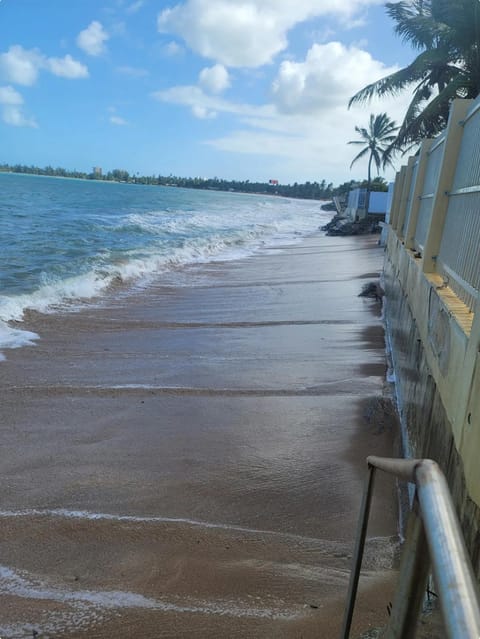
x=432, y=172
x=459, y=255
x=458, y=259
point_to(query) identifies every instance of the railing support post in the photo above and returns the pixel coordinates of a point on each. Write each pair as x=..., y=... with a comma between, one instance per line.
x=358, y=552
x=413, y=577
x=434, y=535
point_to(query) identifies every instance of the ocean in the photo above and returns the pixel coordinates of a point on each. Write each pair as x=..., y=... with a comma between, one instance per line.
x=183, y=448
x=68, y=242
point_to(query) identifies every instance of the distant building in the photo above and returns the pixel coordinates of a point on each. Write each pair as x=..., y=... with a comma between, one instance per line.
x=97, y=171
x=383, y=237
x=273, y=182
x=378, y=204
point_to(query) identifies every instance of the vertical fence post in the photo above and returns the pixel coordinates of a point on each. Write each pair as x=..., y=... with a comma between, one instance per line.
x=405, y=193
x=397, y=195
x=468, y=403
x=358, y=552
x=451, y=148
x=414, y=570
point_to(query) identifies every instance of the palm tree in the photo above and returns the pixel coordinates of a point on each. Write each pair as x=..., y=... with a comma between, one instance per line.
x=447, y=35
x=377, y=141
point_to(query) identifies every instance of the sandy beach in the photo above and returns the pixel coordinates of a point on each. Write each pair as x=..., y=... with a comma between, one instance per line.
x=187, y=459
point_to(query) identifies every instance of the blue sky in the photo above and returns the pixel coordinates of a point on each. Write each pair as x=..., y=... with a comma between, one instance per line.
x=247, y=89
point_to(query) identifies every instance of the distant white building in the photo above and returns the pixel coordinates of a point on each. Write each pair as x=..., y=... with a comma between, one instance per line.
x=383, y=237
x=378, y=203
x=97, y=171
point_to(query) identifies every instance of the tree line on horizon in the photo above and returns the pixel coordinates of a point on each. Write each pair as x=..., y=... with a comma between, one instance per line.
x=307, y=190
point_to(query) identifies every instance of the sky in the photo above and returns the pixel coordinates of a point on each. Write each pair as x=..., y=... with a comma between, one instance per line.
x=235, y=89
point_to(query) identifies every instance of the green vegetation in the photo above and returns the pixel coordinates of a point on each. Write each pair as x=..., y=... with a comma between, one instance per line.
x=447, y=35
x=308, y=190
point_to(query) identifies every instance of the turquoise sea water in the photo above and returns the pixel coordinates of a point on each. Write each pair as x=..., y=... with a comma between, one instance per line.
x=63, y=241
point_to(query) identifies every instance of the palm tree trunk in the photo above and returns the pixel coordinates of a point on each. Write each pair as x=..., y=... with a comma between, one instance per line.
x=369, y=181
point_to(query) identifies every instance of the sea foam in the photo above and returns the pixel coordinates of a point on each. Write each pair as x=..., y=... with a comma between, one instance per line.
x=64, y=250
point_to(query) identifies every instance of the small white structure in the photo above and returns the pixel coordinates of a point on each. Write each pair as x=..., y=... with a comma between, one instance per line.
x=378, y=204
x=384, y=225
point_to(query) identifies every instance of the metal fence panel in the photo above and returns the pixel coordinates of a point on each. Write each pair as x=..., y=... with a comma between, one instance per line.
x=459, y=256
x=467, y=173
x=432, y=173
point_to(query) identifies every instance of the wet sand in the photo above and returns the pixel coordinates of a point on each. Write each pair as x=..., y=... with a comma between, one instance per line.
x=187, y=460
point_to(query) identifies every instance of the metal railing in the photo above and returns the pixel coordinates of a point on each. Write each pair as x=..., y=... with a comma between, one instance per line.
x=433, y=537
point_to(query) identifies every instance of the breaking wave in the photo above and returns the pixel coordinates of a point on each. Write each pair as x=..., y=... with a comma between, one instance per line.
x=58, y=257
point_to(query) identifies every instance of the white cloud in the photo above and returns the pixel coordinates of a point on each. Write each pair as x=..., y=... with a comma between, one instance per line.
x=317, y=86
x=306, y=127
x=173, y=49
x=134, y=7
x=203, y=113
x=12, y=112
x=92, y=39
x=330, y=74
x=214, y=79
x=134, y=72
x=66, y=67
x=22, y=66
x=247, y=33
x=233, y=34
x=8, y=95
x=14, y=116
x=193, y=97
x=242, y=141
x=117, y=28
x=117, y=120
x=202, y=106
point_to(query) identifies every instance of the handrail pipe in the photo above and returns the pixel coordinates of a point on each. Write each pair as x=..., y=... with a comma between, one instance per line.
x=433, y=526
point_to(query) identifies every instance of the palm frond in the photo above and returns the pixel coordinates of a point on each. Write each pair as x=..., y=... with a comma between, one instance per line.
x=377, y=159
x=413, y=22
x=362, y=154
x=447, y=35
x=423, y=121
x=380, y=134
x=428, y=65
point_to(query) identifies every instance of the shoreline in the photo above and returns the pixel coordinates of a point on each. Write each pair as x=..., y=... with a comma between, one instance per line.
x=243, y=401
x=140, y=245
x=133, y=182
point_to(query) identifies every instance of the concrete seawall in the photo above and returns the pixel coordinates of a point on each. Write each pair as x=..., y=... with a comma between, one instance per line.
x=434, y=343
x=432, y=283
